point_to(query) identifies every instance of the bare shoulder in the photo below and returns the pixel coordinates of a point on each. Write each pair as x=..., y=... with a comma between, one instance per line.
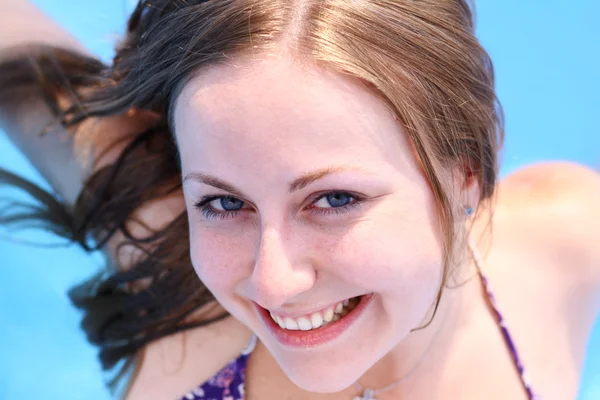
x=558, y=205
x=177, y=364
x=553, y=177
x=562, y=195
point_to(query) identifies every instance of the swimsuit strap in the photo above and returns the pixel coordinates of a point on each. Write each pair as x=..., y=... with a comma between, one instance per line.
x=491, y=301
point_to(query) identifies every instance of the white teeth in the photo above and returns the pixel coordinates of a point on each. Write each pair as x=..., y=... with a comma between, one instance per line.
x=280, y=322
x=316, y=320
x=304, y=324
x=328, y=316
x=291, y=324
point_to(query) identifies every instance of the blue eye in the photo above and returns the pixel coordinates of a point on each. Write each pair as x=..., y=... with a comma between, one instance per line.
x=227, y=207
x=336, y=203
x=337, y=199
x=221, y=207
x=230, y=203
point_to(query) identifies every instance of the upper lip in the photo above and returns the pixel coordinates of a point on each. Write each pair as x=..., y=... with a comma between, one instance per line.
x=296, y=312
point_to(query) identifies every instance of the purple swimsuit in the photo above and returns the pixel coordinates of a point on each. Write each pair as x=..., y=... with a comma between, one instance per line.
x=228, y=384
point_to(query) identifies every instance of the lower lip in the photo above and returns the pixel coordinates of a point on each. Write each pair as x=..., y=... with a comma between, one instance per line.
x=317, y=336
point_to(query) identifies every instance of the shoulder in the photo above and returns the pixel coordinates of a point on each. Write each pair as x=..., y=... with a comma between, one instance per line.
x=174, y=365
x=557, y=204
x=555, y=176
x=560, y=194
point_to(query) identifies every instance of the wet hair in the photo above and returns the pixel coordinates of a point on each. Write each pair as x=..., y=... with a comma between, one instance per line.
x=421, y=57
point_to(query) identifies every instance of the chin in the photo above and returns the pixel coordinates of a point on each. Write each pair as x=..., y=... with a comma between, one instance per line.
x=324, y=371
x=323, y=380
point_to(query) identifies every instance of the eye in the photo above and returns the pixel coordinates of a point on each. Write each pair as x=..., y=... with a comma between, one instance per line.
x=335, y=199
x=227, y=204
x=336, y=203
x=221, y=207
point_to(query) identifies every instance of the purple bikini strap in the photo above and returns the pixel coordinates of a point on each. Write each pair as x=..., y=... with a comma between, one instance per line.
x=491, y=301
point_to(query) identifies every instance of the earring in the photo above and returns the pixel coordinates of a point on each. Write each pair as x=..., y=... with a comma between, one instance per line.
x=469, y=211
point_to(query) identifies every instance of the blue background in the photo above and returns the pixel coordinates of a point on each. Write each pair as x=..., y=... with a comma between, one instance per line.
x=546, y=58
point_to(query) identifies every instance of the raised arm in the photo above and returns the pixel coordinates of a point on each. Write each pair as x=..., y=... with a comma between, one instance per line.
x=28, y=39
x=21, y=23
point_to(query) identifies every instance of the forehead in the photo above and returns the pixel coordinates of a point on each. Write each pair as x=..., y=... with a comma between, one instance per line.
x=276, y=105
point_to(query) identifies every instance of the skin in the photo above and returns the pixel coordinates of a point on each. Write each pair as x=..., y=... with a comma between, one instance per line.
x=280, y=250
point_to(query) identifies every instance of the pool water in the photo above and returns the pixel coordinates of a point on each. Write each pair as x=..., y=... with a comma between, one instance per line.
x=547, y=81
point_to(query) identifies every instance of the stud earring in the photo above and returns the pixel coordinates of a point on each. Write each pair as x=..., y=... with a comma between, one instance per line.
x=469, y=211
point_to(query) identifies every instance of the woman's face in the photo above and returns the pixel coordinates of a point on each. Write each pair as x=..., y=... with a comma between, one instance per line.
x=302, y=192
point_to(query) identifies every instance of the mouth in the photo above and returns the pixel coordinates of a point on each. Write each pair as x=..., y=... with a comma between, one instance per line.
x=317, y=328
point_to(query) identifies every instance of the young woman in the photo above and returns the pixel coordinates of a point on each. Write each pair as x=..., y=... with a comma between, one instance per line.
x=299, y=200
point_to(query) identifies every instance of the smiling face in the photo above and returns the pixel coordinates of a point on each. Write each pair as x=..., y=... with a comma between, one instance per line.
x=303, y=191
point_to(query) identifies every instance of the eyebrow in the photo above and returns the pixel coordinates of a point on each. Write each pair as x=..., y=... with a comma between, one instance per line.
x=297, y=184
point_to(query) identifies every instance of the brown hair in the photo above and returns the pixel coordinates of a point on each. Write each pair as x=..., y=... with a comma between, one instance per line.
x=421, y=57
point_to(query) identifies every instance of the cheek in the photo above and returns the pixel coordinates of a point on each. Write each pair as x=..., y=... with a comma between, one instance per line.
x=399, y=257
x=393, y=252
x=219, y=257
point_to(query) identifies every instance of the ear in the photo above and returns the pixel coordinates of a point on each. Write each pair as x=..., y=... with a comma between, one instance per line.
x=467, y=187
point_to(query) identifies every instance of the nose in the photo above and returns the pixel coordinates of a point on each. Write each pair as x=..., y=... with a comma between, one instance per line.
x=278, y=277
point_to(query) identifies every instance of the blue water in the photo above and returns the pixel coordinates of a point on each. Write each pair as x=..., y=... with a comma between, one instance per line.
x=546, y=58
